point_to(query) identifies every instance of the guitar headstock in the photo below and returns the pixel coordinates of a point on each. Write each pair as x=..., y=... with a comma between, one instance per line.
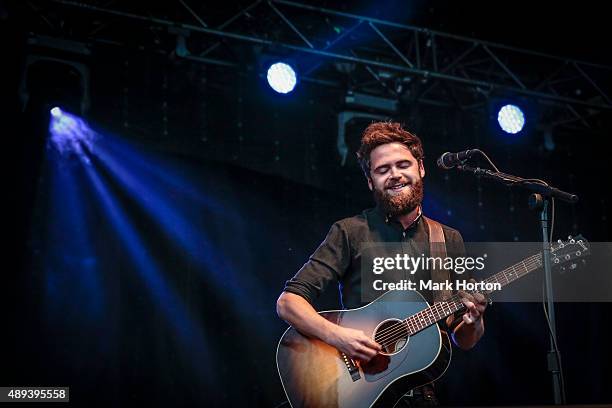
x=569, y=252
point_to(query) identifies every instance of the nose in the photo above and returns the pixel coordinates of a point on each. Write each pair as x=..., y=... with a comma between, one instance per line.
x=394, y=172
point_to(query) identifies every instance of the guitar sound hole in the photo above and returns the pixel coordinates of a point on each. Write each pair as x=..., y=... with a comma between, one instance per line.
x=392, y=335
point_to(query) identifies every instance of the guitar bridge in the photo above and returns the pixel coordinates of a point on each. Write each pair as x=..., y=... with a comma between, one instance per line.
x=351, y=367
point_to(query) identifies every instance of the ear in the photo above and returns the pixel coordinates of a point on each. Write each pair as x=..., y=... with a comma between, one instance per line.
x=370, y=185
x=421, y=168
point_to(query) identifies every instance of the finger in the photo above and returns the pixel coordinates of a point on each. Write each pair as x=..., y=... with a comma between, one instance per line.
x=472, y=309
x=468, y=319
x=477, y=296
x=465, y=295
x=471, y=317
x=368, y=352
x=482, y=304
x=368, y=342
x=469, y=305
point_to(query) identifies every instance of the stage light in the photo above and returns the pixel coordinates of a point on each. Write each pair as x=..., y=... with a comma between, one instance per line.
x=511, y=119
x=281, y=77
x=70, y=134
x=56, y=112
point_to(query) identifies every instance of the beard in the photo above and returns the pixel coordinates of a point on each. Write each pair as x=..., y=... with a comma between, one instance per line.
x=400, y=204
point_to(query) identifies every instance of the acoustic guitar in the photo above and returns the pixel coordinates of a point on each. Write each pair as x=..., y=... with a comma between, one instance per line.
x=415, y=351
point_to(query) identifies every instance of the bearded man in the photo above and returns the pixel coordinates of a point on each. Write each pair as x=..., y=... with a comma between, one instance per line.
x=392, y=161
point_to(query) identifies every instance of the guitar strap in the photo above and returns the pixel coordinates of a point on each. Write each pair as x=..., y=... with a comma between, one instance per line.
x=437, y=249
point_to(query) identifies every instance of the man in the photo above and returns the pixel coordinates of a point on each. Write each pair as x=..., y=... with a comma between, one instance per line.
x=392, y=160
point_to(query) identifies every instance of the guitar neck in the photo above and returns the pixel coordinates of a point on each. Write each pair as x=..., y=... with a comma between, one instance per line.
x=442, y=310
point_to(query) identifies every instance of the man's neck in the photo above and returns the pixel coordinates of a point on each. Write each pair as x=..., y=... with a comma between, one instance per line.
x=407, y=219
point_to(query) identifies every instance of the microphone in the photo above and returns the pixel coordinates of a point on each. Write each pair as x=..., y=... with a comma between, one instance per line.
x=449, y=160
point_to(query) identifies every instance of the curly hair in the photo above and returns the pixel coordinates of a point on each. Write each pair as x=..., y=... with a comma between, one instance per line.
x=379, y=133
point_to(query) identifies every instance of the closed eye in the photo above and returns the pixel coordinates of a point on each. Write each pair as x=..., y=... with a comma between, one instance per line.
x=404, y=164
x=381, y=169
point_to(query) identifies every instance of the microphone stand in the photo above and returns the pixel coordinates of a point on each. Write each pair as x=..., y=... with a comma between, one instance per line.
x=538, y=201
x=533, y=185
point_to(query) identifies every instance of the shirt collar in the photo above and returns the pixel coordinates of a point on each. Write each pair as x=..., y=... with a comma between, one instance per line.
x=389, y=219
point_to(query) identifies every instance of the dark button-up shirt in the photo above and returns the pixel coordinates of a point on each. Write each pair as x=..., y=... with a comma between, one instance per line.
x=338, y=258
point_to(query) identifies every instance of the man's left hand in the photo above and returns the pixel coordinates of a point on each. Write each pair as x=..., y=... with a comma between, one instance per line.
x=476, y=304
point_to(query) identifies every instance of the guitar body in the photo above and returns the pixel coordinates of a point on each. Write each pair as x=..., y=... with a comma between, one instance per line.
x=315, y=374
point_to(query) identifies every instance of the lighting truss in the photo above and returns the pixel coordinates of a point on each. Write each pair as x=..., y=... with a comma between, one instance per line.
x=361, y=53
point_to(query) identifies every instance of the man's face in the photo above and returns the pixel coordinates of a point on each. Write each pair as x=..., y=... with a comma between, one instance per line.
x=396, y=178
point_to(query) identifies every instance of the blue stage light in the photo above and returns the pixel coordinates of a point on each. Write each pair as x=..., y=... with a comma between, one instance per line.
x=56, y=112
x=70, y=134
x=511, y=119
x=281, y=77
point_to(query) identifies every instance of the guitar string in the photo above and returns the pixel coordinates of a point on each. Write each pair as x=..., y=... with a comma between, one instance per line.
x=533, y=261
x=388, y=334
x=404, y=328
x=439, y=307
x=428, y=315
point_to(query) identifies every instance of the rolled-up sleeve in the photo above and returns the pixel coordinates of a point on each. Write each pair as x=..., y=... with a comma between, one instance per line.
x=327, y=264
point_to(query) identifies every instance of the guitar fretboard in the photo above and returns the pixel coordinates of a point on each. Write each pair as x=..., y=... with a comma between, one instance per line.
x=442, y=310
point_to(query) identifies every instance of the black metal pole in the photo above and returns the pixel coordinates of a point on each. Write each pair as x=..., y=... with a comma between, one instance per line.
x=554, y=356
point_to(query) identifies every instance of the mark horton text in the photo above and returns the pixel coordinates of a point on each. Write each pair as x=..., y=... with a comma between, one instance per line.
x=465, y=285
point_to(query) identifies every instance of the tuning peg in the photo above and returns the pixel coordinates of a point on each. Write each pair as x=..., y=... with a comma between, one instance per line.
x=569, y=237
x=578, y=253
x=573, y=266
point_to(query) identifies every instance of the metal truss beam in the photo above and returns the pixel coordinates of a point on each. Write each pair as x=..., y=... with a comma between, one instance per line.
x=402, y=64
x=386, y=51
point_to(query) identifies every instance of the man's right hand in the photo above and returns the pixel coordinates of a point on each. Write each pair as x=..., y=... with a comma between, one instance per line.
x=354, y=343
x=299, y=313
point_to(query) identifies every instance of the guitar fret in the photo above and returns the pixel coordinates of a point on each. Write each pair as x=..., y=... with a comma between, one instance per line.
x=441, y=310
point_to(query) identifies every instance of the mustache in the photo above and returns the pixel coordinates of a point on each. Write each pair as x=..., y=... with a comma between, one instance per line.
x=403, y=203
x=395, y=183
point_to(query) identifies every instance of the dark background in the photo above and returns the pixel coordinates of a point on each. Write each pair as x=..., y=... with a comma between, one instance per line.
x=150, y=275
